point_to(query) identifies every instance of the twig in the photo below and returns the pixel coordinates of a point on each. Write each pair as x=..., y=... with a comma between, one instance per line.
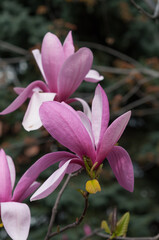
x=152, y=16
x=13, y=48
x=93, y=233
x=54, y=209
x=77, y=222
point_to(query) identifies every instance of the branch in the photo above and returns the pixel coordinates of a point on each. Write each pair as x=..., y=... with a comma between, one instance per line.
x=77, y=222
x=152, y=16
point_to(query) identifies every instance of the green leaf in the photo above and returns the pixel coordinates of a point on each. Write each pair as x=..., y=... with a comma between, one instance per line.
x=122, y=225
x=104, y=225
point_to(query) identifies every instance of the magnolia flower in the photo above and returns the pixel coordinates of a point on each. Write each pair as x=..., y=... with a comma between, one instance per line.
x=63, y=71
x=14, y=214
x=91, y=140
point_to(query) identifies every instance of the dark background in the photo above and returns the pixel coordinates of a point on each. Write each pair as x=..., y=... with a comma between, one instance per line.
x=131, y=82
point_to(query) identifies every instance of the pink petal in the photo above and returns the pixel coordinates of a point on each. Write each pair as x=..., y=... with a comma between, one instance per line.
x=112, y=135
x=16, y=219
x=29, y=191
x=5, y=178
x=64, y=124
x=11, y=169
x=23, y=96
x=34, y=171
x=93, y=76
x=31, y=119
x=73, y=72
x=51, y=183
x=86, y=108
x=74, y=165
x=52, y=59
x=68, y=46
x=18, y=90
x=37, y=55
x=122, y=167
x=100, y=114
x=87, y=123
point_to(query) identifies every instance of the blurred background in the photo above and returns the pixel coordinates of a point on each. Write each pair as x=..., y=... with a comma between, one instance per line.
x=125, y=44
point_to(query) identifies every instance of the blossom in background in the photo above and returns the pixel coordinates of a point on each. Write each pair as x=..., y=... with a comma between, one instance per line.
x=14, y=214
x=92, y=140
x=63, y=71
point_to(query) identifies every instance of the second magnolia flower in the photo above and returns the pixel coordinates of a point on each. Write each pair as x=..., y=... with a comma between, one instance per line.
x=90, y=139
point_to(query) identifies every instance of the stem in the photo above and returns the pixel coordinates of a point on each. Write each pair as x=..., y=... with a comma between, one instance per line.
x=54, y=209
x=74, y=224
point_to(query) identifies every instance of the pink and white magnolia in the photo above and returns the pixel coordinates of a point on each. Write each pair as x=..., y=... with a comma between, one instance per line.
x=63, y=71
x=91, y=141
x=14, y=214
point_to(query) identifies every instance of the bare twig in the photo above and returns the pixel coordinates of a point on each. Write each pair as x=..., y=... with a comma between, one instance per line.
x=13, y=48
x=77, y=222
x=152, y=16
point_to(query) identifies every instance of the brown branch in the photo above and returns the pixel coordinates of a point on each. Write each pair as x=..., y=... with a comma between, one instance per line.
x=76, y=223
x=103, y=235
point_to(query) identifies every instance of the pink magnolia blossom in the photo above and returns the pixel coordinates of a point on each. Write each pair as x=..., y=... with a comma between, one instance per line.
x=88, y=139
x=14, y=214
x=63, y=71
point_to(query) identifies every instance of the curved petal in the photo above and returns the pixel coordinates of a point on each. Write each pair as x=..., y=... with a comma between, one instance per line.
x=34, y=171
x=73, y=72
x=100, y=114
x=93, y=76
x=74, y=165
x=31, y=120
x=5, y=178
x=29, y=191
x=52, y=59
x=122, y=167
x=68, y=46
x=23, y=96
x=112, y=135
x=16, y=219
x=37, y=55
x=87, y=123
x=51, y=183
x=18, y=90
x=64, y=124
x=86, y=108
x=11, y=169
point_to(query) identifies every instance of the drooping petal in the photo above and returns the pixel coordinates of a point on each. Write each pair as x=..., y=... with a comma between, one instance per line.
x=52, y=59
x=86, y=108
x=51, y=183
x=64, y=124
x=112, y=135
x=122, y=167
x=31, y=120
x=5, y=178
x=16, y=219
x=75, y=165
x=100, y=114
x=73, y=71
x=93, y=76
x=18, y=90
x=34, y=186
x=23, y=96
x=12, y=170
x=37, y=55
x=68, y=46
x=34, y=171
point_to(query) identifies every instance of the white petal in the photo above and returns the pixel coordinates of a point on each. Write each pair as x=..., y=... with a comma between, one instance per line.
x=93, y=76
x=16, y=219
x=37, y=55
x=11, y=169
x=31, y=119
